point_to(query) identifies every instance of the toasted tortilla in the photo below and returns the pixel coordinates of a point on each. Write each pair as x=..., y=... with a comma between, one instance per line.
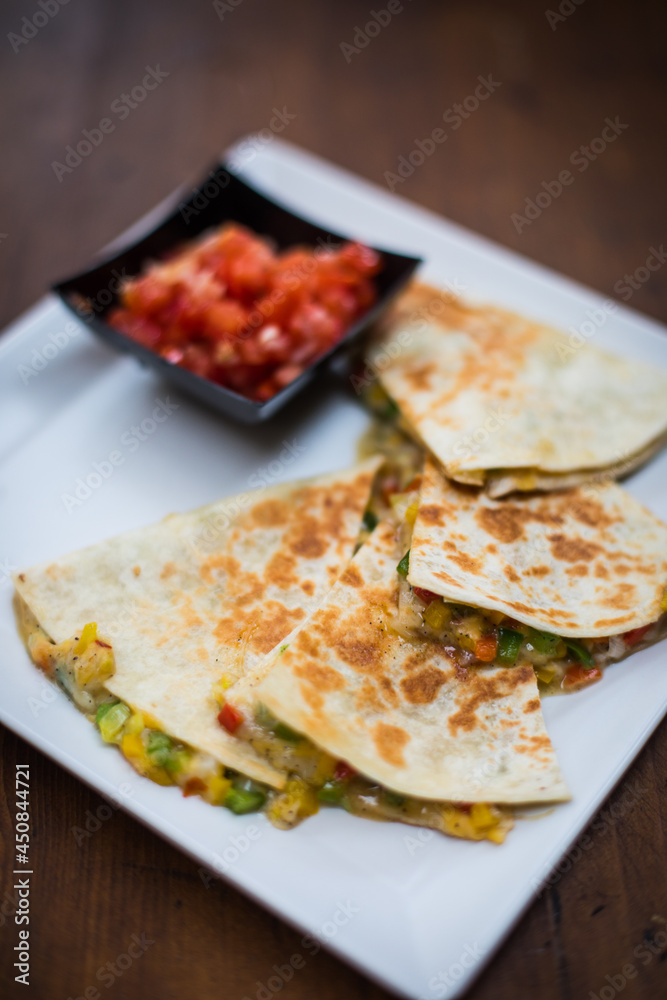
x=402, y=713
x=205, y=594
x=584, y=562
x=510, y=404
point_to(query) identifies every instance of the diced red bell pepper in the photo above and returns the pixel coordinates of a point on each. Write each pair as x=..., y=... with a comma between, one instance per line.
x=486, y=648
x=635, y=635
x=230, y=718
x=343, y=771
x=578, y=676
x=425, y=595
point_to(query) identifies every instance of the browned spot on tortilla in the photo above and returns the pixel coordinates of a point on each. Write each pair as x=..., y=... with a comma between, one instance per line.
x=511, y=574
x=324, y=678
x=604, y=622
x=480, y=689
x=191, y=619
x=423, y=688
x=308, y=539
x=601, y=571
x=275, y=623
x=532, y=705
x=492, y=549
x=390, y=742
x=352, y=577
x=168, y=570
x=432, y=514
x=271, y=513
x=505, y=522
x=538, y=571
x=579, y=569
x=22, y=577
x=368, y=698
x=591, y=512
x=308, y=587
x=307, y=643
x=573, y=549
x=214, y=566
x=311, y=697
x=623, y=598
x=466, y=562
x=202, y=653
x=280, y=571
x=136, y=570
x=420, y=377
x=622, y=568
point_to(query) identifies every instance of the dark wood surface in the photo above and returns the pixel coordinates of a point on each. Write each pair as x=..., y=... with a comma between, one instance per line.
x=558, y=84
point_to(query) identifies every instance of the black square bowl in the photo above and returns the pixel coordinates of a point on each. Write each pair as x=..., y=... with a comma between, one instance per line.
x=221, y=197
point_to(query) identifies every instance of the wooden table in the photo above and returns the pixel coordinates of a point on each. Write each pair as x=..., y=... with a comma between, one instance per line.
x=554, y=78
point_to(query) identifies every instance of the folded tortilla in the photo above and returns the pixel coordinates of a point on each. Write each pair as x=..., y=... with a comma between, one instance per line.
x=509, y=404
x=403, y=713
x=584, y=562
x=203, y=595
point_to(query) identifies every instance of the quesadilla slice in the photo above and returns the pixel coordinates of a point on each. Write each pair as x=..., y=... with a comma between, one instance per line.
x=392, y=728
x=138, y=629
x=566, y=582
x=509, y=404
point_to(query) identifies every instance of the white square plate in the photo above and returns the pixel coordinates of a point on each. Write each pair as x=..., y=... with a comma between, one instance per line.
x=417, y=911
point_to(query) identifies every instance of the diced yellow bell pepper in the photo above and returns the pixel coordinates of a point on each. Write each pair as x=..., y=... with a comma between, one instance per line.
x=545, y=673
x=437, y=614
x=411, y=513
x=494, y=616
x=133, y=747
x=663, y=603
x=217, y=790
x=135, y=724
x=88, y=635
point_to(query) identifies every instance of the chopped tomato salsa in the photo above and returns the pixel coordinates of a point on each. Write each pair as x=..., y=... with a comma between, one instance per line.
x=343, y=771
x=230, y=718
x=427, y=596
x=231, y=309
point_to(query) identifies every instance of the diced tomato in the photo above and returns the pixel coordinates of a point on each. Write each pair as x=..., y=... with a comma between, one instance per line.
x=635, y=635
x=427, y=596
x=231, y=309
x=343, y=771
x=230, y=717
x=193, y=786
x=578, y=676
x=486, y=648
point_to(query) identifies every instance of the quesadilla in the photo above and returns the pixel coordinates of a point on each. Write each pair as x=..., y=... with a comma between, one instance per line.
x=392, y=728
x=566, y=582
x=138, y=629
x=509, y=404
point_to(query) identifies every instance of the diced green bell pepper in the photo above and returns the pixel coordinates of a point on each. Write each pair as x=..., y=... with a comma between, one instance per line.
x=580, y=651
x=369, y=520
x=543, y=642
x=332, y=792
x=245, y=796
x=509, y=644
x=284, y=732
x=404, y=565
